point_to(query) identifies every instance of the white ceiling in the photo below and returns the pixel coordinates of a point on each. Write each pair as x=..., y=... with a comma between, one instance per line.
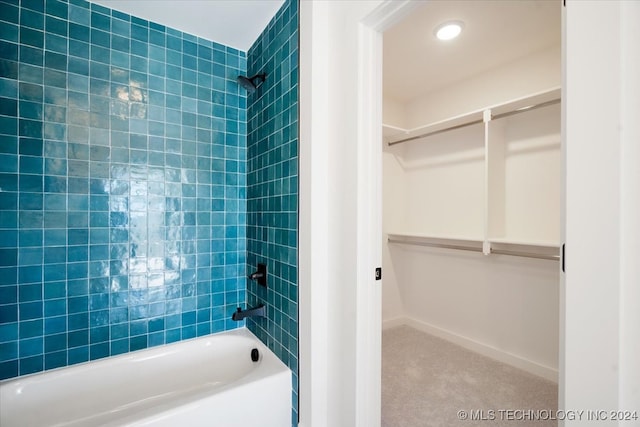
x=234, y=23
x=495, y=32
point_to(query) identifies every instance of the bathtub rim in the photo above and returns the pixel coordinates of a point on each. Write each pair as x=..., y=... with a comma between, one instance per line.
x=269, y=368
x=242, y=331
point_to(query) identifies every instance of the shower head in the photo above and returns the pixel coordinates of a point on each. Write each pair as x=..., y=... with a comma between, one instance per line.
x=252, y=83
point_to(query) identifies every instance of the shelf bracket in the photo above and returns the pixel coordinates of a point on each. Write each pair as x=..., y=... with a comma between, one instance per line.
x=486, y=116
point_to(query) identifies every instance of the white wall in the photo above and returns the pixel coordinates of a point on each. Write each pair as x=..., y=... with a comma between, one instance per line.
x=502, y=306
x=234, y=23
x=532, y=176
x=393, y=194
x=393, y=113
x=601, y=328
x=328, y=183
x=443, y=184
x=630, y=208
x=528, y=75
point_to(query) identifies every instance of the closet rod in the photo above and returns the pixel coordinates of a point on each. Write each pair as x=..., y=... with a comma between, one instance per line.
x=526, y=254
x=436, y=245
x=528, y=108
x=435, y=132
x=475, y=122
x=472, y=249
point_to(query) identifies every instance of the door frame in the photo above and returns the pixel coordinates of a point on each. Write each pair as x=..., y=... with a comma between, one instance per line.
x=368, y=293
x=599, y=269
x=369, y=200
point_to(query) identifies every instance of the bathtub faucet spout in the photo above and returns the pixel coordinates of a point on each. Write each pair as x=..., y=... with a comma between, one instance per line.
x=259, y=311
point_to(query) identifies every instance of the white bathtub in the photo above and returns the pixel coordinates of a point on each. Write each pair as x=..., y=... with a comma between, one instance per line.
x=208, y=381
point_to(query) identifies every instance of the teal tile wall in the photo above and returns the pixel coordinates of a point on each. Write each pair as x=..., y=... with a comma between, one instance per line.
x=272, y=187
x=122, y=184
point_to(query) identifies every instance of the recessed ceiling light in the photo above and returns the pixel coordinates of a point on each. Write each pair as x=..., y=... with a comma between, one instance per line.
x=449, y=30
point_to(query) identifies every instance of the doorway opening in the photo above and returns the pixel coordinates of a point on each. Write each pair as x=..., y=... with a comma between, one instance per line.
x=471, y=209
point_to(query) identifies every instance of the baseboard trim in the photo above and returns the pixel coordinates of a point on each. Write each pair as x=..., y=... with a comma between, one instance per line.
x=486, y=350
x=392, y=323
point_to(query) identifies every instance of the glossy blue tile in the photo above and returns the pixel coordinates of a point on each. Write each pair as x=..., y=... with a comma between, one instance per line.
x=99, y=325
x=81, y=33
x=100, y=21
x=30, y=310
x=278, y=165
x=8, y=275
x=30, y=183
x=55, y=342
x=138, y=343
x=9, y=145
x=31, y=328
x=31, y=164
x=9, y=181
x=55, y=61
x=121, y=25
x=8, y=107
x=31, y=37
x=30, y=128
x=57, y=8
x=55, y=202
x=31, y=347
x=30, y=201
x=55, y=360
x=96, y=8
x=56, y=26
x=30, y=365
x=32, y=292
x=99, y=351
x=101, y=171
x=8, y=201
x=8, y=295
x=9, y=312
x=78, y=185
x=8, y=334
x=56, y=43
x=55, y=307
x=8, y=369
x=54, y=272
x=54, y=325
x=31, y=19
x=8, y=351
x=77, y=304
x=29, y=257
x=9, y=12
x=30, y=92
x=8, y=69
x=55, y=166
x=53, y=184
x=55, y=237
x=79, y=14
x=78, y=355
x=30, y=238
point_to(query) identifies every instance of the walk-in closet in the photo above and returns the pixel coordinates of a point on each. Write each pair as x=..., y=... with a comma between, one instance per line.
x=472, y=197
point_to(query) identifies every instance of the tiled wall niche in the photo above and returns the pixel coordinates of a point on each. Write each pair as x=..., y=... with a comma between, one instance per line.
x=122, y=184
x=272, y=186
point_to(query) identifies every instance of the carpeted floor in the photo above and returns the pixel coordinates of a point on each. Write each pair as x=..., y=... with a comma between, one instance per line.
x=426, y=381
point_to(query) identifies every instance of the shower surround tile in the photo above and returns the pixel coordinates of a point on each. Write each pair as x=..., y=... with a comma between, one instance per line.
x=272, y=187
x=122, y=185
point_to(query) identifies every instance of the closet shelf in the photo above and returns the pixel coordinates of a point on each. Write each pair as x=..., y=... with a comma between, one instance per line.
x=496, y=246
x=396, y=135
